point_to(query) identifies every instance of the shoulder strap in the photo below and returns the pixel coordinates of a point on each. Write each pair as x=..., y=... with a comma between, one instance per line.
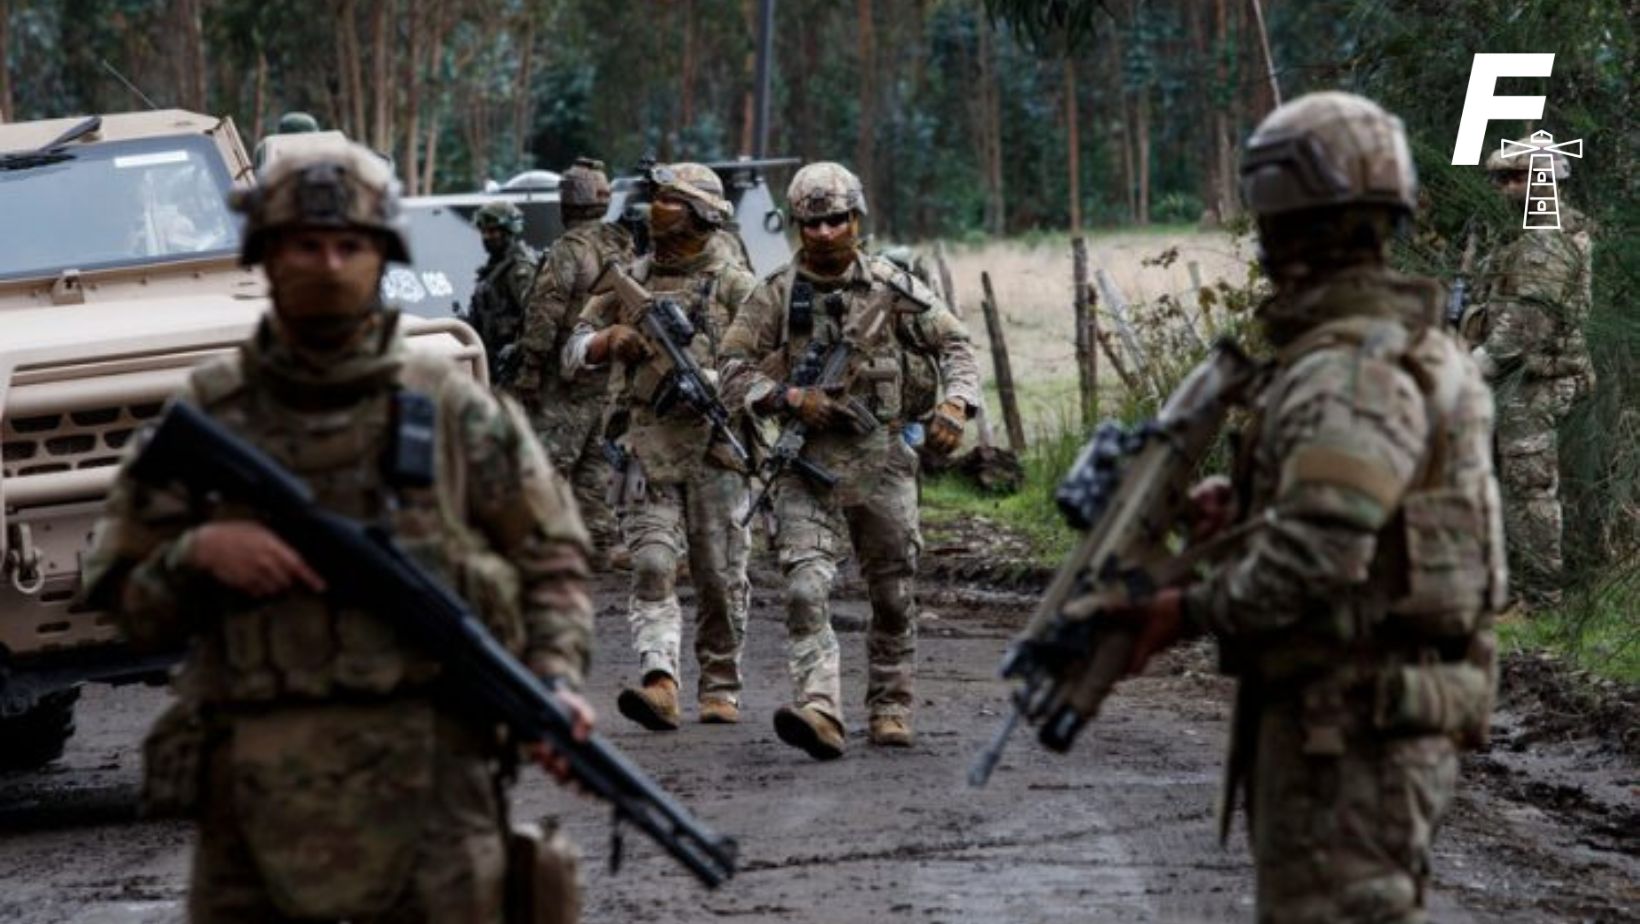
x=218, y=380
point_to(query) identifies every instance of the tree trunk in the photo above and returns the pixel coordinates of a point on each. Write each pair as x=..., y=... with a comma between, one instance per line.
x=748, y=77
x=411, y=162
x=259, y=96
x=522, y=109
x=1229, y=203
x=443, y=22
x=687, y=66
x=353, y=75
x=381, y=134
x=990, y=124
x=1073, y=144
x=1141, y=118
x=865, y=138
x=5, y=61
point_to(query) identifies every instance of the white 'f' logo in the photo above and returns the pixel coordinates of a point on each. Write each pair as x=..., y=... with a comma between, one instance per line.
x=1481, y=106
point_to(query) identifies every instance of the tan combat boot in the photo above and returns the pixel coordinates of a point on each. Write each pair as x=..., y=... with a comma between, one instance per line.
x=718, y=712
x=893, y=731
x=807, y=728
x=654, y=705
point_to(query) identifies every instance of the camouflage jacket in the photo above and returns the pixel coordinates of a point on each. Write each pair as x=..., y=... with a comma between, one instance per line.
x=497, y=525
x=503, y=288
x=710, y=292
x=561, y=289
x=1533, y=303
x=1368, y=469
x=766, y=343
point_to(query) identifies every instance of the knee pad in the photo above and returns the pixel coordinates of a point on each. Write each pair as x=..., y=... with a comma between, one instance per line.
x=654, y=570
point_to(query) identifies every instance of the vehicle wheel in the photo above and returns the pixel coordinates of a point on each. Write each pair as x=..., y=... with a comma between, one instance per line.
x=38, y=736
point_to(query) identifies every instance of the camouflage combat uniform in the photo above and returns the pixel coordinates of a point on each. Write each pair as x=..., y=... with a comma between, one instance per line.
x=326, y=741
x=567, y=409
x=1357, y=615
x=1534, y=303
x=499, y=296
x=693, y=501
x=328, y=778
x=873, y=509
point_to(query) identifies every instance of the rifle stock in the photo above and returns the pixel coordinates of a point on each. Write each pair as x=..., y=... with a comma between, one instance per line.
x=1128, y=488
x=364, y=565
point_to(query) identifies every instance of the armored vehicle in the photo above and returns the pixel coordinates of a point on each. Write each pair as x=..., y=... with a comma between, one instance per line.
x=119, y=271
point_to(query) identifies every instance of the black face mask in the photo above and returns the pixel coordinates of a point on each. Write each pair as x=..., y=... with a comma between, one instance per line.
x=496, y=245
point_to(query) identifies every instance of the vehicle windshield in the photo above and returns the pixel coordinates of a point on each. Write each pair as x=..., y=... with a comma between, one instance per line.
x=123, y=203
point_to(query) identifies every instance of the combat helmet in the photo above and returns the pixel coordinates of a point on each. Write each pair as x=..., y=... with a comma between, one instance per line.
x=584, y=185
x=328, y=184
x=503, y=215
x=699, y=186
x=825, y=188
x=296, y=123
x=1328, y=149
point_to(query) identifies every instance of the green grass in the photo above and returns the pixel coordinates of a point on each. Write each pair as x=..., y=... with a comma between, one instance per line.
x=1594, y=630
x=1029, y=513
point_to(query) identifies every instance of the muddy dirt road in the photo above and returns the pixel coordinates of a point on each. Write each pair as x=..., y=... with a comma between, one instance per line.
x=1122, y=830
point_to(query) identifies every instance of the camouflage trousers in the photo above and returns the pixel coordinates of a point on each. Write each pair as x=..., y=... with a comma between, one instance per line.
x=382, y=813
x=700, y=518
x=1345, y=839
x=572, y=435
x=813, y=536
x=1529, y=474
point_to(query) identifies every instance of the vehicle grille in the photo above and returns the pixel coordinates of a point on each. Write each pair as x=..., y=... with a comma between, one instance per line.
x=70, y=440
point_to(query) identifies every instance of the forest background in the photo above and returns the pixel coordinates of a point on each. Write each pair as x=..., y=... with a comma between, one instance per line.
x=966, y=119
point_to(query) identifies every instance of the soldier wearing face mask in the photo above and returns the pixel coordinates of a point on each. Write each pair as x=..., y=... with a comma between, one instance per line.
x=872, y=509
x=690, y=495
x=329, y=777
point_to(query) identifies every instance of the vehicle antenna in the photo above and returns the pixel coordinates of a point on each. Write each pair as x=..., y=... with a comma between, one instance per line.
x=128, y=84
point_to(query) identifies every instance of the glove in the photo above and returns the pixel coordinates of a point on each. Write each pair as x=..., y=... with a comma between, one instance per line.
x=1159, y=622
x=945, y=431
x=620, y=342
x=814, y=407
x=1212, y=508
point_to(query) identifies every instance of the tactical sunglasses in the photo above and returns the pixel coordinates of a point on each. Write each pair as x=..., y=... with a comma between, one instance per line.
x=826, y=221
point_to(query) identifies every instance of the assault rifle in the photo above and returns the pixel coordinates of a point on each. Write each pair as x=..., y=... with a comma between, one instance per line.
x=664, y=323
x=363, y=564
x=1457, y=300
x=824, y=366
x=1127, y=491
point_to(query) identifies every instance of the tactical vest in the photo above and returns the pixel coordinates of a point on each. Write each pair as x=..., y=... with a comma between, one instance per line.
x=1439, y=568
x=302, y=646
x=897, y=378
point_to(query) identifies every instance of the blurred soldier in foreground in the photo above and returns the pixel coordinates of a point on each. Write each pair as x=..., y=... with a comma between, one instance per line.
x=328, y=778
x=1527, y=324
x=497, y=307
x=835, y=295
x=680, y=492
x=1357, y=612
x=567, y=409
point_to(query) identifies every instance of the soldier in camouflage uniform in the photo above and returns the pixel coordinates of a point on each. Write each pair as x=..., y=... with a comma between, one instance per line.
x=327, y=779
x=829, y=288
x=503, y=288
x=567, y=409
x=690, y=496
x=1527, y=322
x=1357, y=611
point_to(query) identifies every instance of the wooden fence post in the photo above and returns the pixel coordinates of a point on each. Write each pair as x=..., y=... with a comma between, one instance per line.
x=1004, y=369
x=1085, y=368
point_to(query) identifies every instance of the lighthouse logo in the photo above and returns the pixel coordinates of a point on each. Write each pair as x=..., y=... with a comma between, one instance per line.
x=1544, y=162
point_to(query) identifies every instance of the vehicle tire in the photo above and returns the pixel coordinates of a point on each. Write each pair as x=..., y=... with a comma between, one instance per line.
x=38, y=736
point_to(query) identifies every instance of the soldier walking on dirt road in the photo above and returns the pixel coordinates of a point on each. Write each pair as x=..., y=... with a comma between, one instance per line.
x=1357, y=616
x=855, y=433
x=682, y=493
x=329, y=778
x=567, y=409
